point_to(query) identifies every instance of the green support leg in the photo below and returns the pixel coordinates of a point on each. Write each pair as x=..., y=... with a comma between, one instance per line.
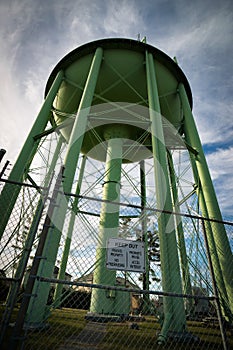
x=79, y=128
x=218, y=230
x=174, y=313
x=10, y=192
x=37, y=311
x=212, y=245
x=103, y=302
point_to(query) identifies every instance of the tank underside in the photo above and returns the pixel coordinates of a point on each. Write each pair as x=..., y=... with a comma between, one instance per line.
x=120, y=96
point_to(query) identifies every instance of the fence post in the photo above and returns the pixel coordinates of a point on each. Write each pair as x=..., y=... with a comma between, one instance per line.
x=12, y=296
x=215, y=289
x=18, y=329
x=145, y=278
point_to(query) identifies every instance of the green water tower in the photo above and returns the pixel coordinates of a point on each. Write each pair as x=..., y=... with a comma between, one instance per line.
x=123, y=101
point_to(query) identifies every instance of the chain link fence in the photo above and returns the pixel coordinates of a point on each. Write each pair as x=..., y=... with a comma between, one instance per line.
x=134, y=291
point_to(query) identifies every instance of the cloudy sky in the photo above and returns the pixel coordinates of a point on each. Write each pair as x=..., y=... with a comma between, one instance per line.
x=36, y=34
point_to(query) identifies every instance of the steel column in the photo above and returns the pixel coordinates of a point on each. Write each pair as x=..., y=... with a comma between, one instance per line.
x=218, y=230
x=211, y=242
x=38, y=314
x=10, y=193
x=101, y=302
x=174, y=313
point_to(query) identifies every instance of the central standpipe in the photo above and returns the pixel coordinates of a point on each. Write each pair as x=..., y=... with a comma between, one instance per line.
x=103, y=301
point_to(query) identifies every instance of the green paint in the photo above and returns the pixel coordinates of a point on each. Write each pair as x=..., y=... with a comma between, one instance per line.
x=174, y=313
x=121, y=76
x=101, y=301
x=10, y=192
x=211, y=205
x=212, y=244
x=36, y=315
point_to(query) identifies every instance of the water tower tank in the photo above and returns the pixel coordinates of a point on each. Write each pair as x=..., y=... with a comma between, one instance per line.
x=122, y=81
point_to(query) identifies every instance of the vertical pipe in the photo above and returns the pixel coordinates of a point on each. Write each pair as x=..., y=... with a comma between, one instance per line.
x=62, y=269
x=10, y=193
x=174, y=313
x=218, y=230
x=70, y=164
x=215, y=288
x=15, y=287
x=17, y=337
x=101, y=303
x=146, y=297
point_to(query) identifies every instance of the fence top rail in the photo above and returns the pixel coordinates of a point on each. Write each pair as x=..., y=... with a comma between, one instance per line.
x=124, y=289
x=37, y=187
x=135, y=206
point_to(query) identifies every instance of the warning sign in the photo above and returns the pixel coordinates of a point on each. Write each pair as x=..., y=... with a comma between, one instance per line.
x=125, y=255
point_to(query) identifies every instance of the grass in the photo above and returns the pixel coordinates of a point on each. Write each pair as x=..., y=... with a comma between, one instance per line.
x=66, y=323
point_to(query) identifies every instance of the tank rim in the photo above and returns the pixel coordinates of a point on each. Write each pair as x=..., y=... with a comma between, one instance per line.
x=110, y=43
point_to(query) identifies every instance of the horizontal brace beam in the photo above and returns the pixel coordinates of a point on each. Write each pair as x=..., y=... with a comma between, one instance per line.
x=34, y=183
x=191, y=149
x=188, y=195
x=66, y=123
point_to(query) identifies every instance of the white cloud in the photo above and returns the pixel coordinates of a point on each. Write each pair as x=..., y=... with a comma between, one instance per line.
x=221, y=162
x=15, y=111
x=203, y=49
x=123, y=17
x=32, y=89
x=199, y=37
x=214, y=120
x=221, y=168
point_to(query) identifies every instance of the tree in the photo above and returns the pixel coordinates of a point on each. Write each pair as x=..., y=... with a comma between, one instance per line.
x=127, y=229
x=153, y=251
